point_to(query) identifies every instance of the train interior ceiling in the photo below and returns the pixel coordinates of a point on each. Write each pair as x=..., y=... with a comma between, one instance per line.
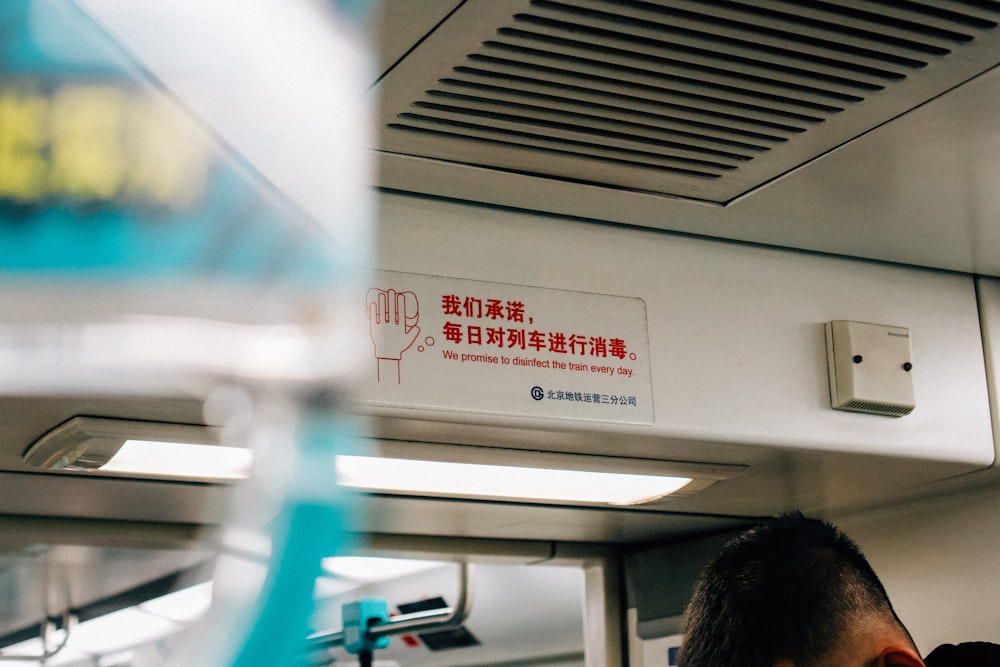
x=720, y=185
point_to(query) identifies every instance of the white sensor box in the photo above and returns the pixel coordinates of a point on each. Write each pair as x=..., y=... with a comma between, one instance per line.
x=870, y=368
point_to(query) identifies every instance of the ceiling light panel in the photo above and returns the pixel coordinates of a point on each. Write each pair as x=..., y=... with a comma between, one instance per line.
x=139, y=449
x=458, y=471
x=156, y=450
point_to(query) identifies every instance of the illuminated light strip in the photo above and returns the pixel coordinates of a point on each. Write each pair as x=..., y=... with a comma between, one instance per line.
x=474, y=480
x=124, y=629
x=366, y=569
x=178, y=452
x=182, y=461
x=143, y=449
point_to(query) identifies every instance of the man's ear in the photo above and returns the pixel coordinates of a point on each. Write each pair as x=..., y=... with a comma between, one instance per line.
x=899, y=657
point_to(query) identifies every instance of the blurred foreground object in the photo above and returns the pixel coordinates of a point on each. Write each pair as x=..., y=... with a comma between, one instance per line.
x=190, y=221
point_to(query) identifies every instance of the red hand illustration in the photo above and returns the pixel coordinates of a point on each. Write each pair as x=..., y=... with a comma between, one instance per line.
x=392, y=322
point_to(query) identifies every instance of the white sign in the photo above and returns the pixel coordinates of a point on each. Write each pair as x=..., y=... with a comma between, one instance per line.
x=464, y=345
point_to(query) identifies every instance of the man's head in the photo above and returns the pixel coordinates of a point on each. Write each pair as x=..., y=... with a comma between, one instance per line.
x=793, y=592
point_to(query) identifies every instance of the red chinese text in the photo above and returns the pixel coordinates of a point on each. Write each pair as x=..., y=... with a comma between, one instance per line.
x=471, y=307
x=515, y=338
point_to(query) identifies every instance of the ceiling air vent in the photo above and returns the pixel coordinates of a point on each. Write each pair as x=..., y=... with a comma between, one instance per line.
x=697, y=99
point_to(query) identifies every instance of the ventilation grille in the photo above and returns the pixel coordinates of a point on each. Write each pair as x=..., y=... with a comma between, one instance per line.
x=877, y=408
x=703, y=99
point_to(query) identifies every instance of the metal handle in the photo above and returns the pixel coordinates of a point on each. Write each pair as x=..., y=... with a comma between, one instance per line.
x=433, y=620
x=68, y=623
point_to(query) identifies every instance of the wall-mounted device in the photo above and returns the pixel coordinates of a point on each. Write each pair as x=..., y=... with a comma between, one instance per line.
x=870, y=368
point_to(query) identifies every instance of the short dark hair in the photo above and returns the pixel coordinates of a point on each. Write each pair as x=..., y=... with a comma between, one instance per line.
x=783, y=590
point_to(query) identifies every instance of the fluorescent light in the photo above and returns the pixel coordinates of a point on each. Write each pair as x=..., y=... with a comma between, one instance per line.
x=186, y=605
x=369, y=570
x=500, y=481
x=120, y=630
x=190, y=452
x=463, y=471
x=182, y=461
x=34, y=647
x=143, y=449
x=111, y=633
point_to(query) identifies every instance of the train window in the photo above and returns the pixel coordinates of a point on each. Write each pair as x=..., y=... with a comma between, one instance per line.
x=520, y=614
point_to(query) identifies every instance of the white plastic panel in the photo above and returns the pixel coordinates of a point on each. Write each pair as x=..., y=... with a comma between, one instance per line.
x=870, y=368
x=989, y=304
x=497, y=348
x=736, y=332
x=919, y=189
x=938, y=560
